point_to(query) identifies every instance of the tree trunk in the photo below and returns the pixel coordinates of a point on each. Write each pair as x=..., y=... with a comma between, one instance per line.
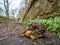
x=7, y=13
x=6, y=5
x=39, y=8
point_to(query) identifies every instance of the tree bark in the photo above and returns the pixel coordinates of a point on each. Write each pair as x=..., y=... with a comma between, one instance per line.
x=6, y=5
x=39, y=8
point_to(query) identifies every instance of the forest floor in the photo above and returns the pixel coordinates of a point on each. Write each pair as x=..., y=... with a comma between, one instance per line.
x=9, y=35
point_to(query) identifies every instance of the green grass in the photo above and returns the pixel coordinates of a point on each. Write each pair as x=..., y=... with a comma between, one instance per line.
x=5, y=19
x=52, y=24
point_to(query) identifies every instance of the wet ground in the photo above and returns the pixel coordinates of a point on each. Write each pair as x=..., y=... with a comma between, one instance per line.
x=9, y=35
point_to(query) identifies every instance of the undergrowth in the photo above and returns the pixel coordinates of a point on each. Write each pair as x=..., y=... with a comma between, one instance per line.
x=52, y=24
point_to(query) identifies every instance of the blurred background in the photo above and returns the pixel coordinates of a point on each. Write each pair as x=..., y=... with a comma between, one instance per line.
x=10, y=9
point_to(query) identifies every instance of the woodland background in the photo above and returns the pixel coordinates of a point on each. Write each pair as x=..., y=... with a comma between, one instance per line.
x=27, y=11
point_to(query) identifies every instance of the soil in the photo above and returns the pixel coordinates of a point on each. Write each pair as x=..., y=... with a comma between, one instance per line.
x=10, y=35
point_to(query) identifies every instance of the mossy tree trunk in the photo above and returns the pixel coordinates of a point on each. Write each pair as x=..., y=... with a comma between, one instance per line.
x=39, y=8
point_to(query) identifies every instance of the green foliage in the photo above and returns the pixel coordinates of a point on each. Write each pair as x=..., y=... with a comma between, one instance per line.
x=54, y=13
x=52, y=24
x=26, y=22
